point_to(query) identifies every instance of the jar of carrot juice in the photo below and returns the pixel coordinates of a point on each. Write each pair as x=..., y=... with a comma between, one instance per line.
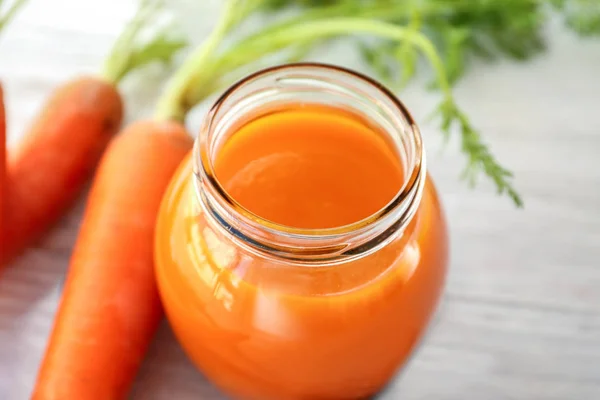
x=301, y=248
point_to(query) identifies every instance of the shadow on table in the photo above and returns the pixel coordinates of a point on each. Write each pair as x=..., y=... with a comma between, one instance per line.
x=29, y=294
x=39, y=270
x=167, y=373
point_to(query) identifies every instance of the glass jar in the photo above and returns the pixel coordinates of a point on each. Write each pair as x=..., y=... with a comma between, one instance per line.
x=274, y=312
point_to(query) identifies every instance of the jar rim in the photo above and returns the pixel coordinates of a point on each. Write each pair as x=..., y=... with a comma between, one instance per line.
x=411, y=187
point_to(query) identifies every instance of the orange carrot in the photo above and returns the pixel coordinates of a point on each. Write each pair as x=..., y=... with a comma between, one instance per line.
x=53, y=162
x=5, y=18
x=2, y=170
x=51, y=165
x=110, y=306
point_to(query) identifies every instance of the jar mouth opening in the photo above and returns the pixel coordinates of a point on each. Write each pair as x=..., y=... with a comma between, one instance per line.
x=410, y=184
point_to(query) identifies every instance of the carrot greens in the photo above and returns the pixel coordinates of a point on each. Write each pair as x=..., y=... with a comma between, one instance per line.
x=129, y=53
x=8, y=12
x=392, y=36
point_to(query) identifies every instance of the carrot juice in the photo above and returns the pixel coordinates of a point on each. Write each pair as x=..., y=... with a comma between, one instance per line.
x=300, y=252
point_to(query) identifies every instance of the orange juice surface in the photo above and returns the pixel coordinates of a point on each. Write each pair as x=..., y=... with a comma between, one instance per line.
x=261, y=328
x=309, y=168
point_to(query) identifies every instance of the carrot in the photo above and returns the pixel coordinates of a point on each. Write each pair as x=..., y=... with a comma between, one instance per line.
x=5, y=18
x=48, y=169
x=2, y=168
x=110, y=303
x=51, y=165
x=110, y=307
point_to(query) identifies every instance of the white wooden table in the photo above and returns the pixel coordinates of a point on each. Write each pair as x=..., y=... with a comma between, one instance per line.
x=521, y=315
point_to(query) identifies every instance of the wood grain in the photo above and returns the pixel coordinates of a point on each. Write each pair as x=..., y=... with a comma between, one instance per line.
x=521, y=314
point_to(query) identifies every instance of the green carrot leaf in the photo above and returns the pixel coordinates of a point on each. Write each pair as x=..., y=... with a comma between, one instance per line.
x=7, y=15
x=393, y=37
x=130, y=53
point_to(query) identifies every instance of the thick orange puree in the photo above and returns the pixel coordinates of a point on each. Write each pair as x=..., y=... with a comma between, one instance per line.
x=264, y=329
x=309, y=168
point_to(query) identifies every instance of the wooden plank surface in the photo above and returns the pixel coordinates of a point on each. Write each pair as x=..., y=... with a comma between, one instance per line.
x=521, y=314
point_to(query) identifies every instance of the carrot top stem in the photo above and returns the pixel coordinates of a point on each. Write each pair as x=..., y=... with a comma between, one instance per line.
x=192, y=74
x=129, y=54
x=7, y=16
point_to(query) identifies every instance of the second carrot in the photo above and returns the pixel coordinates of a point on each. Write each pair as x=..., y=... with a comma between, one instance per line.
x=50, y=166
